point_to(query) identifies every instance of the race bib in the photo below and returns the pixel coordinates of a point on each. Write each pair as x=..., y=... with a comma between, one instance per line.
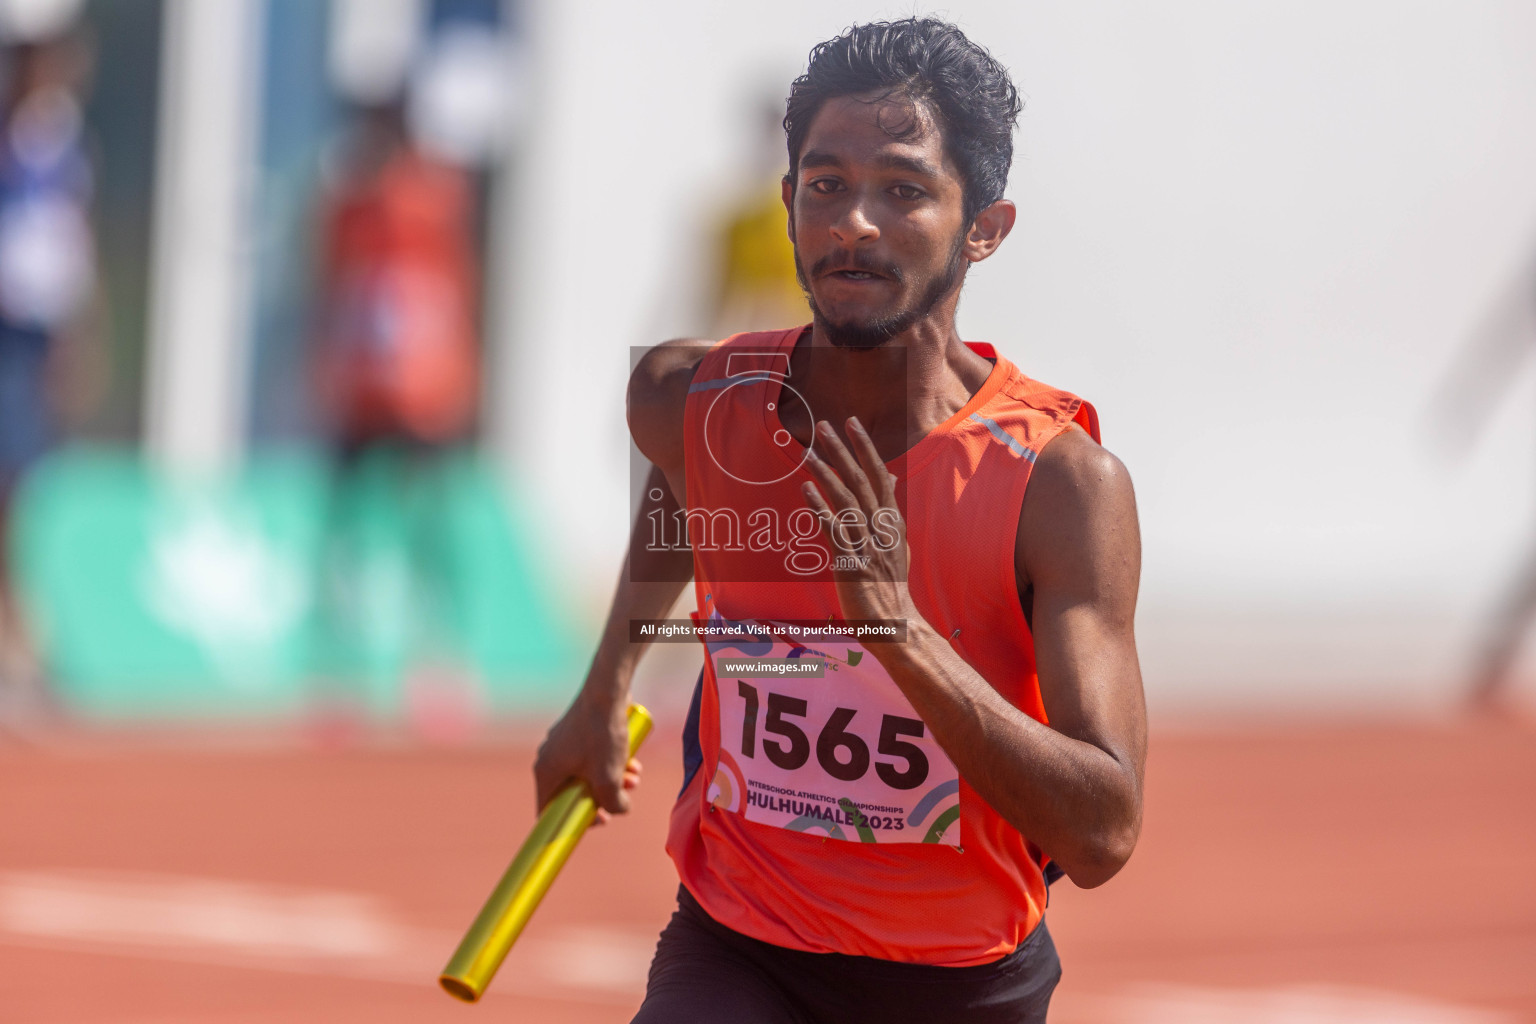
x=816, y=737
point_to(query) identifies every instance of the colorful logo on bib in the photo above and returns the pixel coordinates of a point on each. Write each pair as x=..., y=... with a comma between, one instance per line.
x=726, y=790
x=943, y=819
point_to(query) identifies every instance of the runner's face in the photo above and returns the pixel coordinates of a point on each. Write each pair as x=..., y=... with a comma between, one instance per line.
x=877, y=221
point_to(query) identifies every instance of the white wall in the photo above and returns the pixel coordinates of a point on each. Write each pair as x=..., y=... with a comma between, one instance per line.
x=1255, y=235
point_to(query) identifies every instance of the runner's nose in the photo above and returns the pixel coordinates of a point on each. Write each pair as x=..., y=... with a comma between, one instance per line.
x=853, y=224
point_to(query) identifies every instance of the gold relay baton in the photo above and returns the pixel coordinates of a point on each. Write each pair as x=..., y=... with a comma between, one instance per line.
x=560, y=827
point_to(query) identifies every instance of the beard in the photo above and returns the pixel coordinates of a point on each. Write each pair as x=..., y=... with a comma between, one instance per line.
x=876, y=331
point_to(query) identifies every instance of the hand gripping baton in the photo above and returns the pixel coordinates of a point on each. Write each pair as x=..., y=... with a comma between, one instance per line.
x=548, y=846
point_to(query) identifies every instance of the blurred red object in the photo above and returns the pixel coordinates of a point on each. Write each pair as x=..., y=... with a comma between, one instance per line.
x=397, y=349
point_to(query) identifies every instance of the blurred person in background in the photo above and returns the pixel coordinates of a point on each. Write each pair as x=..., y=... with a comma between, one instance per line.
x=49, y=300
x=755, y=288
x=396, y=359
x=397, y=353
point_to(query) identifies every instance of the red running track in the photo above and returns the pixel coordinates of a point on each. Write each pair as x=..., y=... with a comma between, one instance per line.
x=1321, y=874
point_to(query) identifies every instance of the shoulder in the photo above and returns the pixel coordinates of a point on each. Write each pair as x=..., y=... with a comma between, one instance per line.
x=667, y=369
x=1074, y=464
x=657, y=394
x=1079, y=511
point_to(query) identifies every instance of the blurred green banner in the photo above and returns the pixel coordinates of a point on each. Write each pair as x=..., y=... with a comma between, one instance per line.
x=399, y=581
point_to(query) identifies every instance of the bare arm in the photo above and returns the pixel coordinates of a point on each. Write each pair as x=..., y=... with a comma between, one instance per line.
x=590, y=740
x=1074, y=787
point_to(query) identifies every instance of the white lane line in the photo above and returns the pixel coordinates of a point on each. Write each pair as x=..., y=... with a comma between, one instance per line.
x=591, y=959
x=304, y=931
x=257, y=921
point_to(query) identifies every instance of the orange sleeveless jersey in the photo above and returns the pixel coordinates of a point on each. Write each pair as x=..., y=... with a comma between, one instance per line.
x=872, y=846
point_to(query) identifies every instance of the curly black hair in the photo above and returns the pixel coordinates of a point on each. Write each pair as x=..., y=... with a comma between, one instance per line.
x=932, y=63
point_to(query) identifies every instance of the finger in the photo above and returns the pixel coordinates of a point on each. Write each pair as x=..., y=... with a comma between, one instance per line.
x=545, y=785
x=838, y=501
x=880, y=478
x=824, y=515
x=609, y=793
x=849, y=529
x=885, y=481
x=847, y=467
x=818, y=504
x=618, y=799
x=835, y=495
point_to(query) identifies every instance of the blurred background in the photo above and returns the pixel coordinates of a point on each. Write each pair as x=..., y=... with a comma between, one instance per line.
x=315, y=320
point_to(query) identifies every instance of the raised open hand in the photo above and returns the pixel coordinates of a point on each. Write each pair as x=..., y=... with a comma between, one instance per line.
x=855, y=499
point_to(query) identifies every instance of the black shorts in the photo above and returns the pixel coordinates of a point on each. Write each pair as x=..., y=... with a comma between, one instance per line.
x=705, y=972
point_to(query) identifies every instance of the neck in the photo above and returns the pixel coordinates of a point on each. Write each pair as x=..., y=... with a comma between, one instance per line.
x=899, y=391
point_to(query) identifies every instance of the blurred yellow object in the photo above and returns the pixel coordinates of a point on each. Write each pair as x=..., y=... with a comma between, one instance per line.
x=757, y=289
x=548, y=846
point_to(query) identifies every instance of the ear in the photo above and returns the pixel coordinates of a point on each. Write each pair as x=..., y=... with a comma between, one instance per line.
x=787, y=189
x=989, y=229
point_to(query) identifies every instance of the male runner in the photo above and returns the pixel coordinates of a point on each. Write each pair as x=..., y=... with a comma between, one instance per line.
x=873, y=842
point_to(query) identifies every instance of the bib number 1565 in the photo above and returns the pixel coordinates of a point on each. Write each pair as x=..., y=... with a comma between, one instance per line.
x=841, y=753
